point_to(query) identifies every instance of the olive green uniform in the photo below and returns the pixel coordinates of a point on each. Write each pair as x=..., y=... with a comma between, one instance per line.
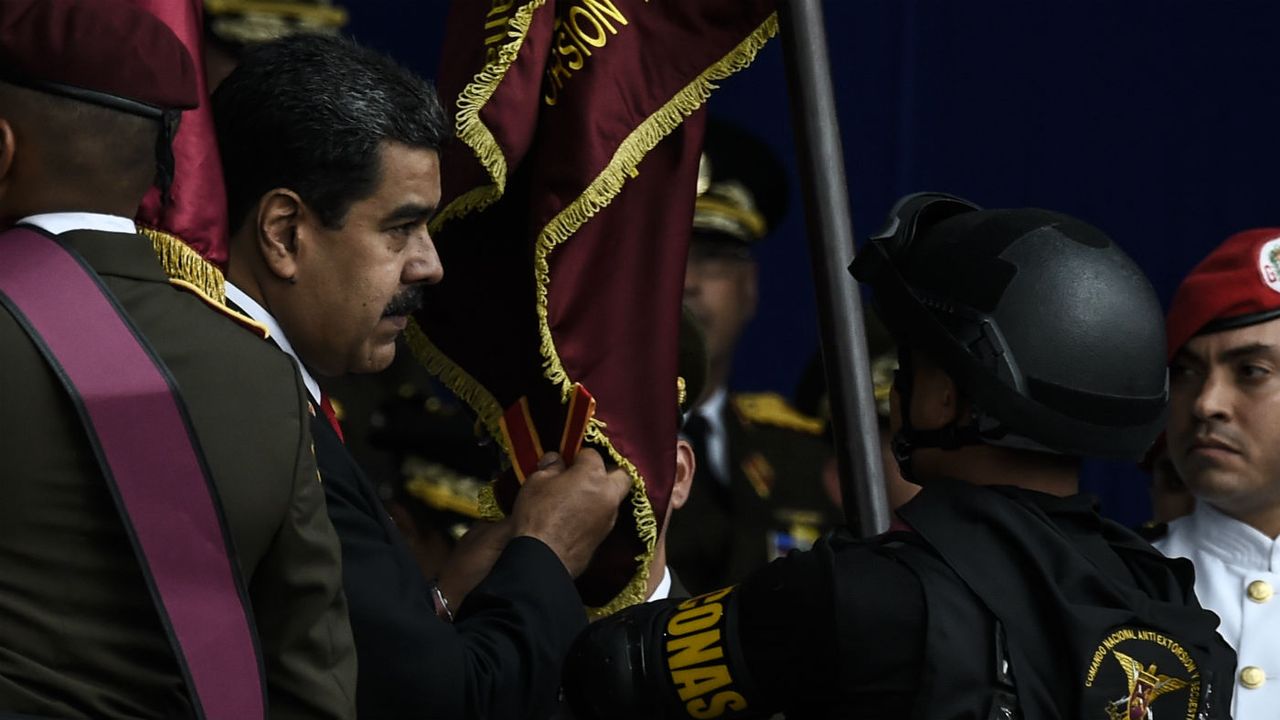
x=79, y=634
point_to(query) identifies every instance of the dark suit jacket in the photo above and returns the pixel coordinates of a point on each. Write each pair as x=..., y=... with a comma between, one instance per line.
x=774, y=498
x=79, y=636
x=502, y=656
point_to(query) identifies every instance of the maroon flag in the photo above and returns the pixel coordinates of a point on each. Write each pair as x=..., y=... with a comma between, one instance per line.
x=195, y=212
x=565, y=226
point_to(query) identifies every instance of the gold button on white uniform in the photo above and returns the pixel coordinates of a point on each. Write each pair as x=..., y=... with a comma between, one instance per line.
x=1260, y=591
x=1252, y=677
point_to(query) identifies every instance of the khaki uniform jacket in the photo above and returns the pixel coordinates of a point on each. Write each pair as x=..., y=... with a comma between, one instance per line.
x=79, y=636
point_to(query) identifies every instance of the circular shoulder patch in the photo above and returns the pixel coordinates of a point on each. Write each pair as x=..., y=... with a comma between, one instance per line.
x=1269, y=264
x=1138, y=674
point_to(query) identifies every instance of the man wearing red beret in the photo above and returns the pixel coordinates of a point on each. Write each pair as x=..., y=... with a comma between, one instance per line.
x=164, y=546
x=1224, y=440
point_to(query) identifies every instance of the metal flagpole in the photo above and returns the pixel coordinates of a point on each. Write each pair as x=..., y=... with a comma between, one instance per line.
x=844, y=347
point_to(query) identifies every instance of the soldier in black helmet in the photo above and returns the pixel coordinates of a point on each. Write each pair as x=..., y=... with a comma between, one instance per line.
x=1027, y=341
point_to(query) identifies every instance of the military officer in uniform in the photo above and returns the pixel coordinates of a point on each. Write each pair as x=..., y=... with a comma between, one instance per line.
x=1224, y=441
x=758, y=491
x=1027, y=340
x=83, y=84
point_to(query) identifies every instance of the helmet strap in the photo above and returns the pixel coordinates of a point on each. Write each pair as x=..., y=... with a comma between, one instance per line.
x=908, y=439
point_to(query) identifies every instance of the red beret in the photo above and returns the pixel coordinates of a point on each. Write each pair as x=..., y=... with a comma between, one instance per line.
x=102, y=51
x=1237, y=285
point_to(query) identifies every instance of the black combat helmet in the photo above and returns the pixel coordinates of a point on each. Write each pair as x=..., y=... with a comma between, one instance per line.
x=1048, y=328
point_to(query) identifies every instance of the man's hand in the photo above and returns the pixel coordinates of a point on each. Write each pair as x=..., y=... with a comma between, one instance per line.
x=571, y=510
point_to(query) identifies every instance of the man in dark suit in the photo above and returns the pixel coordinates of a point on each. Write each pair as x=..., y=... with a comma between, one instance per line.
x=80, y=634
x=332, y=171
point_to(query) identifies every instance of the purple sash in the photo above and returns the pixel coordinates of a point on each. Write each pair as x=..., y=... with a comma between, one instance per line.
x=146, y=447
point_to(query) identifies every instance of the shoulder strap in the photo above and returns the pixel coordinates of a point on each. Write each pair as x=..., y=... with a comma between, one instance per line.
x=773, y=409
x=144, y=443
x=967, y=670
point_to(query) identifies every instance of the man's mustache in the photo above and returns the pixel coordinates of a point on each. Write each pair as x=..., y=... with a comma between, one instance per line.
x=1212, y=430
x=406, y=302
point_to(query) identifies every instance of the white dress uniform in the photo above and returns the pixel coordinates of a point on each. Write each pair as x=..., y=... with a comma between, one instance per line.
x=1237, y=575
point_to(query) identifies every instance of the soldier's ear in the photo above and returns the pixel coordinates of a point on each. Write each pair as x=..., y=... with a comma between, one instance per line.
x=686, y=463
x=279, y=214
x=7, y=150
x=935, y=398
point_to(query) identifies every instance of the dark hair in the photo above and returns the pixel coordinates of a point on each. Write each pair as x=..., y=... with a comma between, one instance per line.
x=309, y=113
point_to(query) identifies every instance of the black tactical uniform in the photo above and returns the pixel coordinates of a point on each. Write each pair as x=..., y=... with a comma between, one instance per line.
x=992, y=602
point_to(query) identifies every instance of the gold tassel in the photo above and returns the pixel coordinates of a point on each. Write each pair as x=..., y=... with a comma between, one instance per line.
x=182, y=262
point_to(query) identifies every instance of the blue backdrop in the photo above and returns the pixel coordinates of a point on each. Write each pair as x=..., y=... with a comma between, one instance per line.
x=1153, y=119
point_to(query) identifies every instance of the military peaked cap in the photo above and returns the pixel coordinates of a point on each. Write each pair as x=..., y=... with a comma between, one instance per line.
x=742, y=188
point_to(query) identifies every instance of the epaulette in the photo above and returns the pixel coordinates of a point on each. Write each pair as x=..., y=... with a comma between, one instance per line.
x=245, y=321
x=773, y=409
x=191, y=272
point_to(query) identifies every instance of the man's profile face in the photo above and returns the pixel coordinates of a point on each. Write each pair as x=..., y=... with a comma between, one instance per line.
x=1224, y=417
x=357, y=284
x=720, y=291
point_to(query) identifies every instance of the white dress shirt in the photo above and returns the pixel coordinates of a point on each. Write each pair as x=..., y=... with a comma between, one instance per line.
x=58, y=223
x=664, y=588
x=1237, y=577
x=251, y=308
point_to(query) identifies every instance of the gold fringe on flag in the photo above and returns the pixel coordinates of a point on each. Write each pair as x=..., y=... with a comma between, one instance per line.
x=625, y=160
x=487, y=504
x=182, y=262
x=636, y=589
x=595, y=198
x=471, y=130
x=459, y=381
x=470, y=391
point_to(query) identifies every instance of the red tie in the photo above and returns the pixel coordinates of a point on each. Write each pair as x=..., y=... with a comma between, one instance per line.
x=327, y=408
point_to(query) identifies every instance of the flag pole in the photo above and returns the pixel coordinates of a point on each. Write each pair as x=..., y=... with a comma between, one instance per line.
x=844, y=348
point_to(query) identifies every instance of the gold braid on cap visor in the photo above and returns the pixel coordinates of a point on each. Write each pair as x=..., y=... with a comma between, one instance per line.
x=725, y=216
